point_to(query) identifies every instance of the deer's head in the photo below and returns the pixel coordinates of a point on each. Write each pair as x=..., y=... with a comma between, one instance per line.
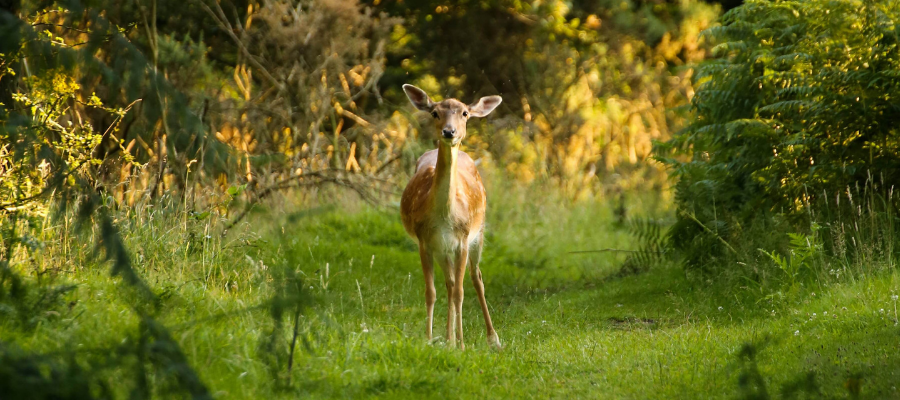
x=450, y=116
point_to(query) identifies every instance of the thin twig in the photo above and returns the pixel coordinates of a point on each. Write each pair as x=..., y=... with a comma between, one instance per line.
x=219, y=316
x=62, y=26
x=693, y=218
x=389, y=162
x=294, y=182
x=613, y=251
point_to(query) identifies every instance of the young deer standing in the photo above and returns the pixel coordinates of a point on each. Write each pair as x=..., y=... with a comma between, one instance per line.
x=443, y=209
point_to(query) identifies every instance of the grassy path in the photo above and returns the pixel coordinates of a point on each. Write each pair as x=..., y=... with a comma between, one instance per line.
x=567, y=332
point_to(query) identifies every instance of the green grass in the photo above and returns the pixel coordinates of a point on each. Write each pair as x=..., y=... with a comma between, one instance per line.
x=569, y=328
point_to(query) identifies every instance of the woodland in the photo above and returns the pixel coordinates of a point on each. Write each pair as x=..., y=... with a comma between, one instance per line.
x=685, y=198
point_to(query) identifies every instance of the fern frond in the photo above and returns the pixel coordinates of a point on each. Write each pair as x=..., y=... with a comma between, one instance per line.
x=786, y=106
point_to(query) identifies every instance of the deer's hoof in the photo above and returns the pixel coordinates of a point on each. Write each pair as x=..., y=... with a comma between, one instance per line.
x=494, y=342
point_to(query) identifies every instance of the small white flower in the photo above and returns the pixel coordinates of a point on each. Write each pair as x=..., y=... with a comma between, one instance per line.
x=796, y=333
x=529, y=333
x=825, y=313
x=721, y=308
x=618, y=305
x=894, y=297
x=543, y=322
x=881, y=311
x=814, y=314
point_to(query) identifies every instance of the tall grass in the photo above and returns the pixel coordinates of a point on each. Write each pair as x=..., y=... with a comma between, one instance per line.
x=859, y=230
x=842, y=237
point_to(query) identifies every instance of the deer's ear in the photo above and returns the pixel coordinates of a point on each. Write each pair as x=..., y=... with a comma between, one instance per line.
x=418, y=98
x=484, y=106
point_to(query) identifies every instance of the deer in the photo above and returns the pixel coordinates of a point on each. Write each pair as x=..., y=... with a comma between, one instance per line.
x=443, y=209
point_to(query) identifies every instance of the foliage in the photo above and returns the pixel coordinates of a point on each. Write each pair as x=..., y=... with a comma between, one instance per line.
x=801, y=250
x=51, y=148
x=586, y=85
x=307, y=76
x=68, y=99
x=798, y=107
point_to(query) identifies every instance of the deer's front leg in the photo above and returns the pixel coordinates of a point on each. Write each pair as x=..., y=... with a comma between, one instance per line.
x=447, y=265
x=459, y=267
x=430, y=294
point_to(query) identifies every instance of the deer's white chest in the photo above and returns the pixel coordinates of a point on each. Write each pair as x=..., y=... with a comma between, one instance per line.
x=452, y=235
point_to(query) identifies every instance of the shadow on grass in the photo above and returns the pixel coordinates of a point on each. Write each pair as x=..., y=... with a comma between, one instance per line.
x=850, y=364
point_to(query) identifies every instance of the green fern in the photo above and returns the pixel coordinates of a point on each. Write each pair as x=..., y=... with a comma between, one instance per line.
x=802, y=249
x=650, y=234
x=799, y=103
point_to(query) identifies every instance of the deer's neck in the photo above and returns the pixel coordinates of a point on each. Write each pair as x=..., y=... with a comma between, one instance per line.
x=445, y=179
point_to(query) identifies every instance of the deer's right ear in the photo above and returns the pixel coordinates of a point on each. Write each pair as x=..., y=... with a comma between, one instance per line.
x=418, y=97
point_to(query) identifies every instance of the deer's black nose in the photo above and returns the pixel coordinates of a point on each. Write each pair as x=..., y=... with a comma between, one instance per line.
x=448, y=133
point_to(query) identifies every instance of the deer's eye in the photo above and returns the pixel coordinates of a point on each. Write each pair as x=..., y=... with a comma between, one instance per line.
x=465, y=114
x=434, y=114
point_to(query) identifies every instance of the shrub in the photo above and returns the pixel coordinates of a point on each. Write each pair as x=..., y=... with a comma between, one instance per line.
x=798, y=107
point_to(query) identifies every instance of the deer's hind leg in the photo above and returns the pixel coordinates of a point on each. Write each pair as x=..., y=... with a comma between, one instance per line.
x=474, y=260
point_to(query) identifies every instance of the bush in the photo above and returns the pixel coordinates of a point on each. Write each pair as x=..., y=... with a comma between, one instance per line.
x=798, y=108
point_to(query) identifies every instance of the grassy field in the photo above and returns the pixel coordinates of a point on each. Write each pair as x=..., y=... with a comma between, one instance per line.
x=569, y=325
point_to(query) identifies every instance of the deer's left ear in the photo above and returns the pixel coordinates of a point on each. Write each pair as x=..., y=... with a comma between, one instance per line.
x=484, y=106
